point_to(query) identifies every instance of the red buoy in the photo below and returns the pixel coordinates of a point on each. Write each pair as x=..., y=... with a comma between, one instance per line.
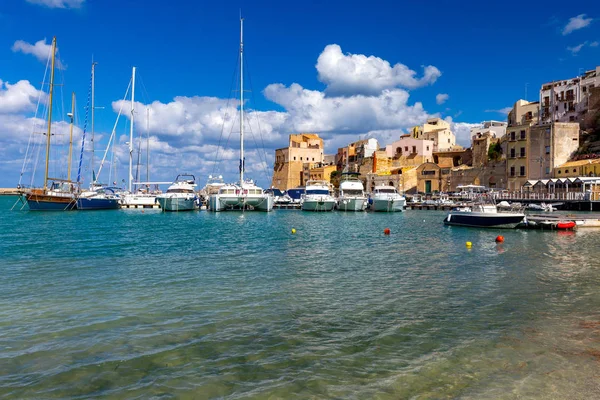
x=565, y=225
x=387, y=231
x=499, y=239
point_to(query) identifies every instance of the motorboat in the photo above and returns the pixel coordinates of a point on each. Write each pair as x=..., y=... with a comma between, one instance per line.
x=352, y=193
x=387, y=198
x=317, y=196
x=180, y=196
x=483, y=216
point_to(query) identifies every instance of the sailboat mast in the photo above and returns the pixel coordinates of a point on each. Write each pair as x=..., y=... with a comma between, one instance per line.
x=131, y=128
x=93, y=110
x=49, y=132
x=71, y=135
x=241, y=101
x=147, y=144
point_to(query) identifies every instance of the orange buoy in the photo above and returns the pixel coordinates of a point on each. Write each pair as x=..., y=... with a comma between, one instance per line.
x=499, y=239
x=566, y=225
x=387, y=231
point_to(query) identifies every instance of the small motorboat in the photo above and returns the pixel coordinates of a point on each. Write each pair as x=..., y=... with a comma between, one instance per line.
x=483, y=216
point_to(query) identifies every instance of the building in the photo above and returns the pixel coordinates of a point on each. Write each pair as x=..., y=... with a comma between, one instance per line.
x=354, y=154
x=575, y=169
x=288, y=170
x=524, y=112
x=568, y=100
x=549, y=146
x=404, y=179
x=484, y=136
x=318, y=171
x=410, y=150
x=438, y=130
x=492, y=175
x=516, y=141
x=429, y=178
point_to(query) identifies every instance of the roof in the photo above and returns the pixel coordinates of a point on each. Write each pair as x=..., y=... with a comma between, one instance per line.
x=578, y=163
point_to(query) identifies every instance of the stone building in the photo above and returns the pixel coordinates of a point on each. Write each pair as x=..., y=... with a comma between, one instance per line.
x=574, y=169
x=438, y=130
x=288, y=170
x=550, y=145
x=414, y=151
x=484, y=136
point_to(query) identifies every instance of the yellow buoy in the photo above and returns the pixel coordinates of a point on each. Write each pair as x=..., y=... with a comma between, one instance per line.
x=293, y=230
x=468, y=244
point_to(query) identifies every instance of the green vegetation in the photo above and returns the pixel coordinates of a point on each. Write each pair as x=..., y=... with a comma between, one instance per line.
x=495, y=152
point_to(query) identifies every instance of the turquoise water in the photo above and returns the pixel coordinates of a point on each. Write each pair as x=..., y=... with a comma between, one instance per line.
x=132, y=304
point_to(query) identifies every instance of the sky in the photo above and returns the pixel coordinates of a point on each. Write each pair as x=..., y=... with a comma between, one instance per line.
x=343, y=69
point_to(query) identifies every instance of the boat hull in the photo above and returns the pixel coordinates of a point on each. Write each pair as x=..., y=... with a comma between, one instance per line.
x=177, y=203
x=219, y=202
x=138, y=200
x=318, y=204
x=352, y=204
x=484, y=220
x=388, y=205
x=98, y=204
x=46, y=202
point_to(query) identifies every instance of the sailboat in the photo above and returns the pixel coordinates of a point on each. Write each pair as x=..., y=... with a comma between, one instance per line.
x=135, y=198
x=97, y=197
x=57, y=194
x=246, y=195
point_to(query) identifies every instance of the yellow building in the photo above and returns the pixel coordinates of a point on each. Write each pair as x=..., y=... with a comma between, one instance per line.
x=578, y=168
x=303, y=148
x=516, y=155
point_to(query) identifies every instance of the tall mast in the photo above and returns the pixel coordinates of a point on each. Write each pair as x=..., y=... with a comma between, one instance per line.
x=72, y=116
x=242, y=101
x=147, y=144
x=131, y=128
x=93, y=109
x=49, y=132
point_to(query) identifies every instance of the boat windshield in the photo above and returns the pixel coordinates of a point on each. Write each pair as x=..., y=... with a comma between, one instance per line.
x=353, y=192
x=180, y=191
x=227, y=191
x=317, y=191
x=385, y=190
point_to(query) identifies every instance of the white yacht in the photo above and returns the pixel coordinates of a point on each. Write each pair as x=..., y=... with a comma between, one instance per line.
x=352, y=193
x=387, y=198
x=317, y=196
x=245, y=195
x=180, y=196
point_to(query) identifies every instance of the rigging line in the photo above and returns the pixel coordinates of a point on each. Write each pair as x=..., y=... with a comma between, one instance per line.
x=257, y=120
x=33, y=123
x=113, y=134
x=233, y=80
x=87, y=109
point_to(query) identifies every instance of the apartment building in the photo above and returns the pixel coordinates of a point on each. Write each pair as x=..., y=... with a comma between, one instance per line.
x=288, y=170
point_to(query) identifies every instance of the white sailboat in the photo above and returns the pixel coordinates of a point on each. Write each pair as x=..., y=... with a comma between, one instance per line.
x=180, y=196
x=387, y=198
x=352, y=193
x=246, y=195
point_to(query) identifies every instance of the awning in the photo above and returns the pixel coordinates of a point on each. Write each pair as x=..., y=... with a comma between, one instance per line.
x=530, y=183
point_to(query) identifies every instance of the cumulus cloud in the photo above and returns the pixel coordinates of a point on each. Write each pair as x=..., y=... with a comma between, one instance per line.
x=576, y=23
x=348, y=74
x=20, y=97
x=58, y=3
x=40, y=50
x=576, y=49
x=462, y=131
x=441, y=98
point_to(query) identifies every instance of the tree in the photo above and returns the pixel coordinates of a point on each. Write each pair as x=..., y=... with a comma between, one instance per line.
x=495, y=152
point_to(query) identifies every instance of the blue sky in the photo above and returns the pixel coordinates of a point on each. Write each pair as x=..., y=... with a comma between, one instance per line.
x=478, y=57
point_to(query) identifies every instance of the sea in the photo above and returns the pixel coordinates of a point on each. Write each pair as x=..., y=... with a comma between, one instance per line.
x=140, y=304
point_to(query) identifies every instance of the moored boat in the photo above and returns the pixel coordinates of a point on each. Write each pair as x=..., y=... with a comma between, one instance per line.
x=180, y=196
x=103, y=198
x=387, y=198
x=483, y=216
x=317, y=196
x=352, y=193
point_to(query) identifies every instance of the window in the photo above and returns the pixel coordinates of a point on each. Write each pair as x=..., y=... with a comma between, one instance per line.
x=522, y=134
x=427, y=148
x=547, y=170
x=448, y=140
x=294, y=158
x=300, y=158
x=414, y=148
x=574, y=169
x=584, y=89
x=313, y=159
x=522, y=151
x=512, y=171
x=547, y=149
x=512, y=136
x=572, y=118
x=406, y=148
x=399, y=151
x=522, y=171
x=428, y=172
x=559, y=171
x=512, y=153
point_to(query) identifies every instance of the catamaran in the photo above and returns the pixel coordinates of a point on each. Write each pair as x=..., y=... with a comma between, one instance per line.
x=56, y=194
x=245, y=195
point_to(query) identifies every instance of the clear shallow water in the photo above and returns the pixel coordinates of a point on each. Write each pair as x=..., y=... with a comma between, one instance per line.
x=125, y=304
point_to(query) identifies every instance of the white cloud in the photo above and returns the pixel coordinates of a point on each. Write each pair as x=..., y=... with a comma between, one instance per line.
x=594, y=44
x=441, y=98
x=503, y=111
x=347, y=74
x=40, y=50
x=576, y=49
x=576, y=23
x=58, y=3
x=462, y=131
x=18, y=98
